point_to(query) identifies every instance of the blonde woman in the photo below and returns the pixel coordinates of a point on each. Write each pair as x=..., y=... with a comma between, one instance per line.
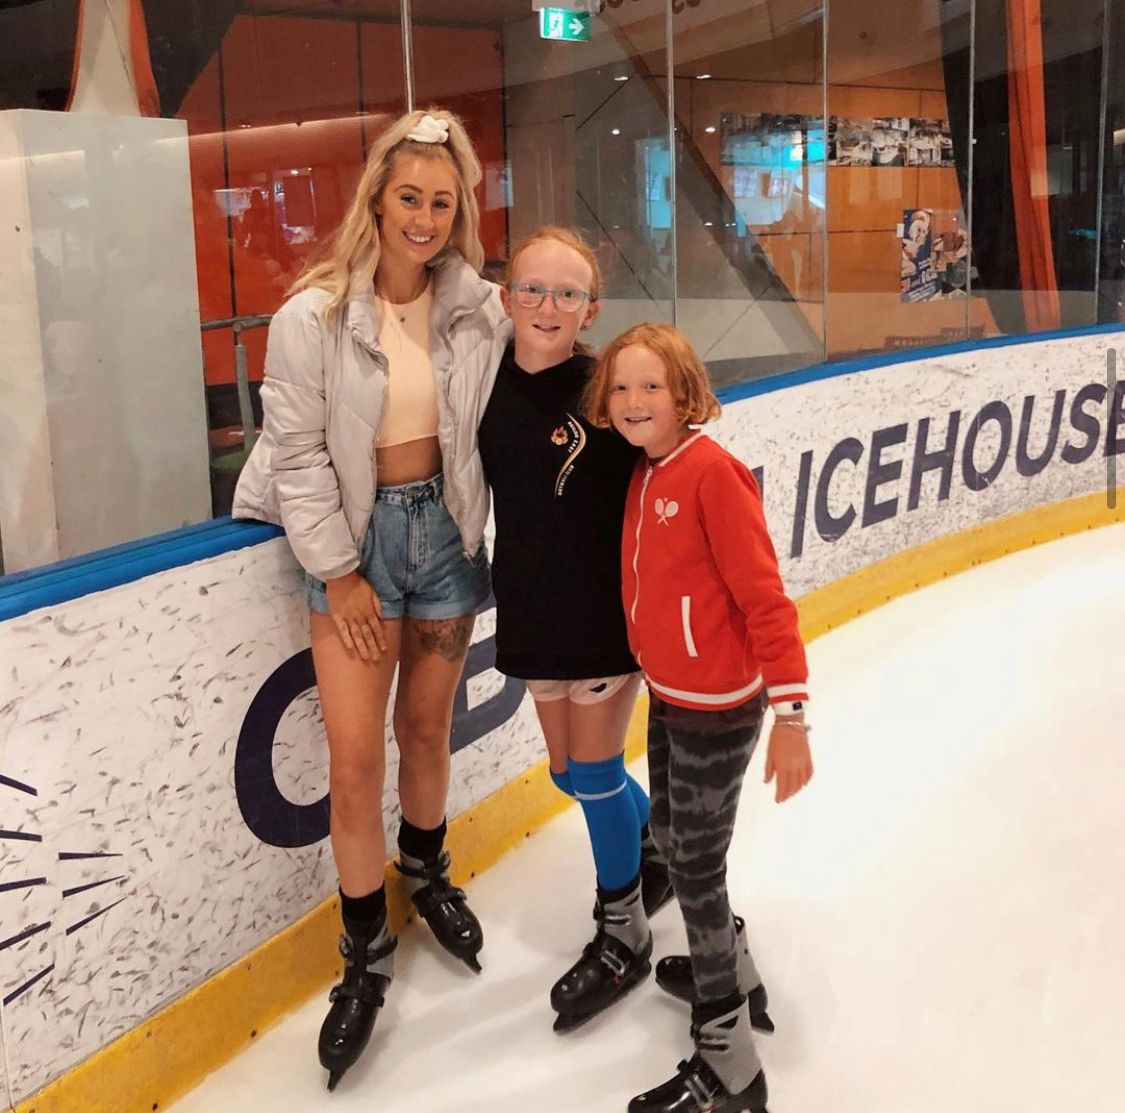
x=372, y=396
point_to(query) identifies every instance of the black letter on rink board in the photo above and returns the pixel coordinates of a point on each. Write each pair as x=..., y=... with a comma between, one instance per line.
x=974, y=479
x=275, y=819
x=880, y=471
x=800, y=511
x=1026, y=464
x=829, y=527
x=1083, y=422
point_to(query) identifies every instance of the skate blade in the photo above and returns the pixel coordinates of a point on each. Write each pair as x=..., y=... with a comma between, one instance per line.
x=761, y=1022
x=472, y=961
x=670, y=991
x=567, y=1022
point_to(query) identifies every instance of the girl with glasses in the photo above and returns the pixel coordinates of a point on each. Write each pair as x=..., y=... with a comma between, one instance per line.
x=559, y=487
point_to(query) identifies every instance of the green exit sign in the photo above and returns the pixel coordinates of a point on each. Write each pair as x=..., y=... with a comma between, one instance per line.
x=558, y=23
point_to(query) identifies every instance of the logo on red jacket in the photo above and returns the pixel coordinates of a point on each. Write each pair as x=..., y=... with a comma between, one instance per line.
x=665, y=509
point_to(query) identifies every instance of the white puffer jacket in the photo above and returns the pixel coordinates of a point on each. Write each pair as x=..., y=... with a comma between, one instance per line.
x=313, y=468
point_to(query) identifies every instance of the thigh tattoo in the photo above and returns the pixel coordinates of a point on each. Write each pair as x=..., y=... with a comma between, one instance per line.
x=447, y=637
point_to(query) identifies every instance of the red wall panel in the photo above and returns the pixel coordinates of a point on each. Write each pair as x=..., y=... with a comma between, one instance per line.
x=302, y=98
x=462, y=70
x=294, y=143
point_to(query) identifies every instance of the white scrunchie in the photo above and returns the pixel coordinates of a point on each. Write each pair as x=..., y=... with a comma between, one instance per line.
x=429, y=129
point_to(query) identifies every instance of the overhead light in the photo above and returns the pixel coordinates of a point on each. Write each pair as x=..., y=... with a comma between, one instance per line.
x=707, y=224
x=710, y=130
x=616, y=131
x=621, y=77
x=702, y=76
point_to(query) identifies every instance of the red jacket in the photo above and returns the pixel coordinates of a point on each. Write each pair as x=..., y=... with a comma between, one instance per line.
x=708, y=617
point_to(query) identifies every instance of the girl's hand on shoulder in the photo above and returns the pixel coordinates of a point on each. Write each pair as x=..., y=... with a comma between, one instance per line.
x=358, y=615
x=789, y=758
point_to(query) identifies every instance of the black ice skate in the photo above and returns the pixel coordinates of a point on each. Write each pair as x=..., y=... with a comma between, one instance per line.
x=723, y=1076
x=656, y=885
x=673, y=975
x=614, y=961
x=443, y=906
x=356, y=1001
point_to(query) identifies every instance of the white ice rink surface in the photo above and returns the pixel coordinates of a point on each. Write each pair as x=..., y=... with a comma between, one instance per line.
x=939, y=917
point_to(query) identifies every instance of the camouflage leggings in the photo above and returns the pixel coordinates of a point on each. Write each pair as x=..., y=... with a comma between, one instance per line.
x=694, y=785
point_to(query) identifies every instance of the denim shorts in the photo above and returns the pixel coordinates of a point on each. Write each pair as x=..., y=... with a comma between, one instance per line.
x=413, y=557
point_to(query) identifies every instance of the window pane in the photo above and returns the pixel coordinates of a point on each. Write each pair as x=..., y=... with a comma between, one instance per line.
x=1037, y=119
x=898, y=143
x=301, y=97
x=1111, y=268
x=126, y=417
x=750, y=186
x=572, y=133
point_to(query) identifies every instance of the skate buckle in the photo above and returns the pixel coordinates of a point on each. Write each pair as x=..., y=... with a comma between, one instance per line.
x=705, y=1099
x=617, y=966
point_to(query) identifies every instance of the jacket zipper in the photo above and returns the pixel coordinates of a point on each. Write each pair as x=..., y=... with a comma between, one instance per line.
x=637, y=551
x=685, y=620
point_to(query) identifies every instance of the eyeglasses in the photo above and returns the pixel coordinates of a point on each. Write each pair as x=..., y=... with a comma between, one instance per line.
x=531, y=296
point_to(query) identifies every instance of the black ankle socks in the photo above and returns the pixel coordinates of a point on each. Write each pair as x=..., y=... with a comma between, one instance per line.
x=364, y=915
x=608, y=896
x=417, y=842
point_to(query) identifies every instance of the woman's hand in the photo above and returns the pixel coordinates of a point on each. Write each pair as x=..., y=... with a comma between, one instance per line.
x=358, y=615
x=789, y=758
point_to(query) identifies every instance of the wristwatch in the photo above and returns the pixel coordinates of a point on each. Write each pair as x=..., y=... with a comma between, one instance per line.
x=790, y=707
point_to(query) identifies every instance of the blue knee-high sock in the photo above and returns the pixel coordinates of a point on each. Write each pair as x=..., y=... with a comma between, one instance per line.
x=562, y=782
x=611, y=818
x=640, y=797
x=640, y=800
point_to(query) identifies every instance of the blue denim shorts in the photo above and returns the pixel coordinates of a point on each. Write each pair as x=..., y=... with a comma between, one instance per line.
x=413, y=557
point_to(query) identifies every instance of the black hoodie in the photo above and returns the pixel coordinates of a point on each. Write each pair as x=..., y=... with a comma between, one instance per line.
x=558, y=487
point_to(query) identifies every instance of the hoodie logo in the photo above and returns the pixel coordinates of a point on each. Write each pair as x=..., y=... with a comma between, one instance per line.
x=574, y=436
x=665, y=509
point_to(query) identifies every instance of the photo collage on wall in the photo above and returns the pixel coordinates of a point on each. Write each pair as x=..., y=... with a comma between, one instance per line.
x=935, y=255
x=889, y=141
x=770, y=139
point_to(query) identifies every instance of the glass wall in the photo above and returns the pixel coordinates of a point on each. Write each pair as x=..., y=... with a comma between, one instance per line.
x=791, y=181
x=570, y=133
x=751, y=185
x=898, y=215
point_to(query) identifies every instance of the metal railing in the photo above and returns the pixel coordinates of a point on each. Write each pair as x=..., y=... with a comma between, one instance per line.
x=241, y=368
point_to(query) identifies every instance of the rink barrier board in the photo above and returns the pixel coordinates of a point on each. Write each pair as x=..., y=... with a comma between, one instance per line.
x=150, y=1067
x=66, y=580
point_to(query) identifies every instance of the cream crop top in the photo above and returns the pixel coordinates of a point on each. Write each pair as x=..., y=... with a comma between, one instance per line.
x=410, y=412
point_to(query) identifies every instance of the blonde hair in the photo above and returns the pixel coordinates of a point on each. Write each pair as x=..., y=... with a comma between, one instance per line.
x=688, y=381
x=576, y=243
x=353, y=249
